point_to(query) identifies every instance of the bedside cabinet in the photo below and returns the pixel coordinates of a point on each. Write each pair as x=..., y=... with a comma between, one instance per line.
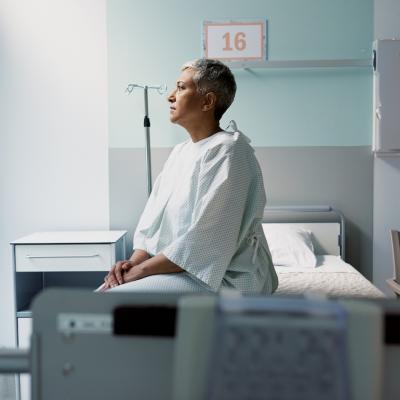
x=64, y=259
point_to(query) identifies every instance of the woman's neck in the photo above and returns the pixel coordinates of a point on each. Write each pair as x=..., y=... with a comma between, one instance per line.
x=203, y=130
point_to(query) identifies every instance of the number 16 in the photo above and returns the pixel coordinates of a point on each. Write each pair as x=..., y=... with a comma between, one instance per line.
x=240, y=42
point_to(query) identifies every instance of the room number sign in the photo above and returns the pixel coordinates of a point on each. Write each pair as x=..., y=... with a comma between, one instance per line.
x=235, y=40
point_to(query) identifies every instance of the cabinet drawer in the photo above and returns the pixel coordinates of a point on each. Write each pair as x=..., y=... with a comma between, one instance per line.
x=64, y=257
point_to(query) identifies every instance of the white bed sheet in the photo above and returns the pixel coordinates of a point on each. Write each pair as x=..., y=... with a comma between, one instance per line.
x=331, y=277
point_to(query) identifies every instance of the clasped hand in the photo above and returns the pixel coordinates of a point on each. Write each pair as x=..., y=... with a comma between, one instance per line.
x=122, y=272
x=137, y=267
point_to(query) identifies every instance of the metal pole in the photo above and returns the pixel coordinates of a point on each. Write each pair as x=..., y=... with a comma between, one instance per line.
x=146, y=124
x=160, y=89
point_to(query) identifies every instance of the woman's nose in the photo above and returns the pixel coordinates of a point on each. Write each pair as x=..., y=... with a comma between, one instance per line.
x=171, y=96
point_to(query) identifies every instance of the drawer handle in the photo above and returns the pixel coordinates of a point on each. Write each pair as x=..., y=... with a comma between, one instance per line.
x=83, y=256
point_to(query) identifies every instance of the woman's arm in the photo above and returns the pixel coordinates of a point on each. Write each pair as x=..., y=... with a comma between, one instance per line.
x=139, y=266
x=158, y=264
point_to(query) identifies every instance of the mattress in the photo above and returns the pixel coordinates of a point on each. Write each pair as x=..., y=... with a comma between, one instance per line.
x=331, y=277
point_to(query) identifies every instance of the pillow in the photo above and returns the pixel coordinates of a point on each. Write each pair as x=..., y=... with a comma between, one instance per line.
x=290, y=246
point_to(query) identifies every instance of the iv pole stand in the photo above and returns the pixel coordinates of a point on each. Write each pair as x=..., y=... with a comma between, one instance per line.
x=146, y=124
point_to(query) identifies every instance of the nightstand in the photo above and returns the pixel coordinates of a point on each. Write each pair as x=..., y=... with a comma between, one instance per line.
x=62, y=259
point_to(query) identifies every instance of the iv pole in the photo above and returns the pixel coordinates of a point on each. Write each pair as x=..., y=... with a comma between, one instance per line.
x=161, y=89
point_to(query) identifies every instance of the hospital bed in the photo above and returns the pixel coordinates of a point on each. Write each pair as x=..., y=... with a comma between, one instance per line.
x=157, y=346
x=307, y=244
x=73, y=331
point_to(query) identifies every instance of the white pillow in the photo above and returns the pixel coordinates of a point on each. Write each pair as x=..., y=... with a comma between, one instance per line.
x=290, y=246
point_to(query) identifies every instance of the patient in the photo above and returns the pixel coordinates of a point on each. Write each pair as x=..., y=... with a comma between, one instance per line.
x=201, y=227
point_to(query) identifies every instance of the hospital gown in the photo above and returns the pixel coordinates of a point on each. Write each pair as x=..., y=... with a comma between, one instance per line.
x=204, y=214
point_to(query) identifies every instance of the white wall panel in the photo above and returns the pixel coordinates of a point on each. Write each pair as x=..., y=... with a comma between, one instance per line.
x=53, y=124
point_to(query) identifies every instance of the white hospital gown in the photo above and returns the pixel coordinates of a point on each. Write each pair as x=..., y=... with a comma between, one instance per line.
x=204, y=214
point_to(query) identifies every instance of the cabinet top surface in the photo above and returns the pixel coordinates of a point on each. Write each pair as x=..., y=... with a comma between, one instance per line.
x=60, y=237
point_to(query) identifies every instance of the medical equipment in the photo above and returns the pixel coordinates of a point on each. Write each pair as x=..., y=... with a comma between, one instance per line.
x=161, y=89
x=158, y=346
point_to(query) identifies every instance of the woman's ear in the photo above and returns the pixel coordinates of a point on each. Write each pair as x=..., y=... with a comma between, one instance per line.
x=210, y=100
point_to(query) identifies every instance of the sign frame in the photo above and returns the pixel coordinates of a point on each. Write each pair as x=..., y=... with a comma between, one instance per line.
x=235, y=44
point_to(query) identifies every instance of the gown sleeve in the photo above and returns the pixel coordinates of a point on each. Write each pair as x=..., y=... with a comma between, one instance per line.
x=154, y=205
x=139, y=238
x=207, y=247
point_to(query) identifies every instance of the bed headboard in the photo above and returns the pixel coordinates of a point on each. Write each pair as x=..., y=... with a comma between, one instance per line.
x=326, y=224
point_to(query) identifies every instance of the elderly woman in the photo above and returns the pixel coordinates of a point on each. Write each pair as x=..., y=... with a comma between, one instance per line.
x=201, y=227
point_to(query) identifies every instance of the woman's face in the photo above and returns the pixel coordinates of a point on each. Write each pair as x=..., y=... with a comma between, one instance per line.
x=185, y=102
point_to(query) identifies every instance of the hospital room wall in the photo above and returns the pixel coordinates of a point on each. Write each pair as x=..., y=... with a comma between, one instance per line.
x=311, y=128
x=53, y=126
x=341, y=177
x=386, y=169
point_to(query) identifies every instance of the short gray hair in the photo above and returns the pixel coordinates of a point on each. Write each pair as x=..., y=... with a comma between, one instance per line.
x=214, y=76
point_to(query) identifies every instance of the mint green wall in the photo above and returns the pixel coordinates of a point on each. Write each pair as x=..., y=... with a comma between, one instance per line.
x=149, y=41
